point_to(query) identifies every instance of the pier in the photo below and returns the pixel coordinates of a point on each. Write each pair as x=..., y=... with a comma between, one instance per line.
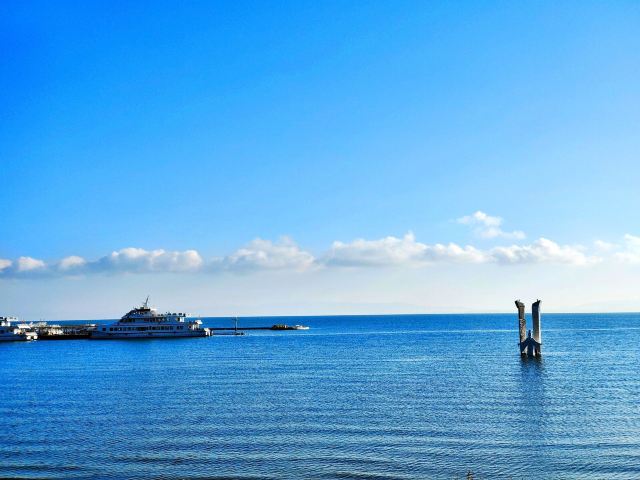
x=51, y=331
x=273, y=327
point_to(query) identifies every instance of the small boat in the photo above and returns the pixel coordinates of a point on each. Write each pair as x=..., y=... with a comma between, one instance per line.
x=282, y=326
x=147, y=322
x=13, y=333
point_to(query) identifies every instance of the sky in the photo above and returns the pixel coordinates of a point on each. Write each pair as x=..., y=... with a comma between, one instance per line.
x=292, y=158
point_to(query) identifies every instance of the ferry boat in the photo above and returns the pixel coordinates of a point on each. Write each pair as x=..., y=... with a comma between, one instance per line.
x=12, y=333
x=146, y=322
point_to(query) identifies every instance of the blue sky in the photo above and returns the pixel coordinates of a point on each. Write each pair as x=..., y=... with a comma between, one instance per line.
x=203, y=127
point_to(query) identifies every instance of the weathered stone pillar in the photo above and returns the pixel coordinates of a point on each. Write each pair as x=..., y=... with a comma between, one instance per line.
x=522, y=321
x=535, y=313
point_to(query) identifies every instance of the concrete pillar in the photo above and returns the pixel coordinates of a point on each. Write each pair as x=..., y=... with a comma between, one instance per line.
x=521, y=321
x=535, y=313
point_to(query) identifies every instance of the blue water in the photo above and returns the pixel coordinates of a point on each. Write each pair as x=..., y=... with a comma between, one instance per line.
x=389, y=397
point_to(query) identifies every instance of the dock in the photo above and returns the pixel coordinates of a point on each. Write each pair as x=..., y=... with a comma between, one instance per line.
x=273, y=327
x=50, y=331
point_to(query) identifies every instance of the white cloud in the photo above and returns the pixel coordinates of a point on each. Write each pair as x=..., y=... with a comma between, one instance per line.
x=542, y=251
x=480, y=218
x=496, y=232
x=28, y=264
x=391, y=251
x=603, y=246
x=22, y=266
x=266, y=255
x=138, y=260
x=71, y=263
x=5, y=264
x=385, y=251
x=455, y=253
x=631, y=252
x=487, y=226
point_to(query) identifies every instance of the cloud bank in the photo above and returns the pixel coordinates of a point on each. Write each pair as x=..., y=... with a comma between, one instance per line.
x=138, y=260
x=266, y=255
x=543, y=251
x=387, y=252
x=393, y=251
x=286, y=255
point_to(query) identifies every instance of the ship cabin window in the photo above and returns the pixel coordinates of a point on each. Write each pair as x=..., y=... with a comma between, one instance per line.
x=104, y=329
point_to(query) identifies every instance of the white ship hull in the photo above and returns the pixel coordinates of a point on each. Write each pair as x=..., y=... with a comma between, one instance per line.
x=99, y=335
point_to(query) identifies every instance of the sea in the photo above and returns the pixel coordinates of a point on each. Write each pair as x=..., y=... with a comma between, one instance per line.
x=354, y=397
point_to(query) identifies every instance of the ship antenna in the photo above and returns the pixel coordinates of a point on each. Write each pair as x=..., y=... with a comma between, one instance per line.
x=146, y=303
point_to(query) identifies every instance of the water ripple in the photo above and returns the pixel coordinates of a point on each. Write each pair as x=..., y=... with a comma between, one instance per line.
x=405, y=397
